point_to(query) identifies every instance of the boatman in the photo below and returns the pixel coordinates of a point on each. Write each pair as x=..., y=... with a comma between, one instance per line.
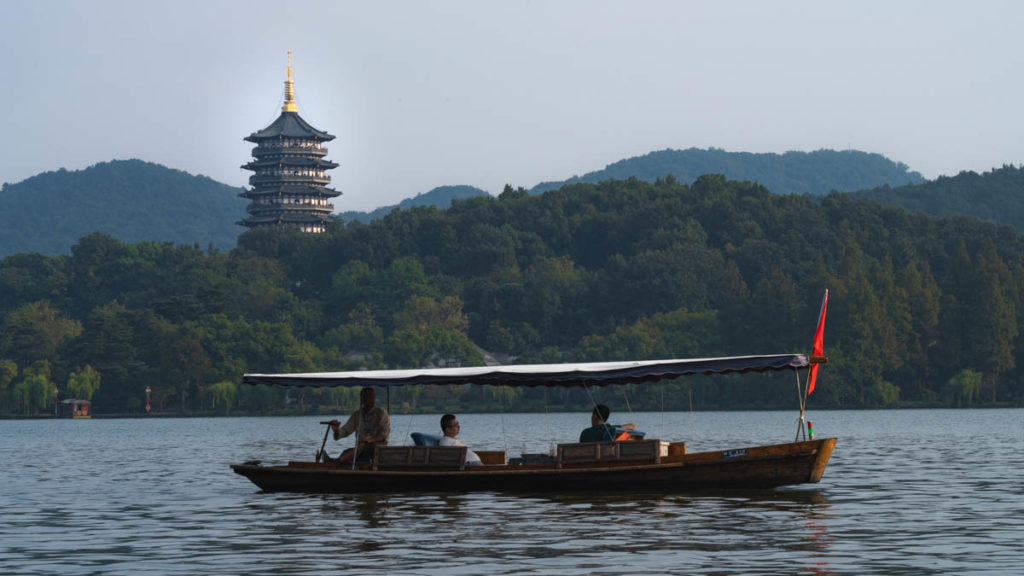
x=372, y=424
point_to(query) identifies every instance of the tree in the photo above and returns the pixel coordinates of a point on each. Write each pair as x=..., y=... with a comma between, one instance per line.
x=35, y=391
x=188, y=363
x=964, y=388
x=923, y=296
x=882, y=394
x=994, y=327
x=35, y=331
x=84, y=383
x=108, y=344
x=223, y=393
x=30, y=278
x=8, y=371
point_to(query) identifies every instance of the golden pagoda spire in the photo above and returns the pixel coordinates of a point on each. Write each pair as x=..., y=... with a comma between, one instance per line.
x=289, y=89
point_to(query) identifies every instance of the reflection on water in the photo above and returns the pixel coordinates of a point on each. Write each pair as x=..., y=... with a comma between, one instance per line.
x=567, y=534
x=570, y=533
x=929, y=492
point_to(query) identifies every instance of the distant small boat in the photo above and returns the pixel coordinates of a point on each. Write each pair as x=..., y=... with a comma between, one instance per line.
x=76, y=408
x=636, y=465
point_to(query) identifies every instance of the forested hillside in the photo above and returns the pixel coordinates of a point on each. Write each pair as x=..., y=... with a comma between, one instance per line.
x=923, y=310
x=816, y=173
x=134, y=201
x=997, y=196
x=130, y=200
x=441, y=197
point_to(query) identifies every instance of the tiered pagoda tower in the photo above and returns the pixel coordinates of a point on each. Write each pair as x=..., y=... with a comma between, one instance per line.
x=289, y=184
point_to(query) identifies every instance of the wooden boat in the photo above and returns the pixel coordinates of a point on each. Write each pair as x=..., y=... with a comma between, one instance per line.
x=76, y=408
x=644, y=465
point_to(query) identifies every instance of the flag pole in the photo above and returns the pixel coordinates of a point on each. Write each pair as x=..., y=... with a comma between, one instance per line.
x=817, y=350
x=801, y=397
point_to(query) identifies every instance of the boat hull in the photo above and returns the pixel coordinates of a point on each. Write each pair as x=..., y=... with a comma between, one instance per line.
x=745, y=468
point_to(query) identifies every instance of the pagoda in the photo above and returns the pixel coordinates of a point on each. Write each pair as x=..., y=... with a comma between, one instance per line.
x=289, y=181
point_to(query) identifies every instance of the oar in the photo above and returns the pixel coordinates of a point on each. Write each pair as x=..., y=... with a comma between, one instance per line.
x=320, y=454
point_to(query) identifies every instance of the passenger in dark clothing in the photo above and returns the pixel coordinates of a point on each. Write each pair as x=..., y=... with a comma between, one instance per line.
x=600, y=430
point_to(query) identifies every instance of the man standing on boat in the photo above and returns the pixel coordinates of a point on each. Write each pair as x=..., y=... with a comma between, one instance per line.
x=371, y=423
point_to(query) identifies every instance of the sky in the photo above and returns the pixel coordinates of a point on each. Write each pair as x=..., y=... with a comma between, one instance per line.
x=427, y=93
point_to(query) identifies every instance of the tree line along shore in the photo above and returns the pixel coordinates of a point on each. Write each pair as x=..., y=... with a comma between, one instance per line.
x=924, y=311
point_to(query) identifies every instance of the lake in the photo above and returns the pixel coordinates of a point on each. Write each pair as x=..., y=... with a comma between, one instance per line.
x=906, y=492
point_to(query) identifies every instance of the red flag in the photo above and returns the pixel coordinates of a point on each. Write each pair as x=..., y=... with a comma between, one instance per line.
x=818, y=348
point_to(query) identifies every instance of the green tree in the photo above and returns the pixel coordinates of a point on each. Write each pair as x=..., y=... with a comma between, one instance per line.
x=923, y=296
x=882, y=394
x=109, y=344
x=35, y=331
x=84, y=383
x=994, y=327
x=963, y=389
x=8, y=372
x=35, y=392
x=860, y=318
x=223, y=393
x=188, y=363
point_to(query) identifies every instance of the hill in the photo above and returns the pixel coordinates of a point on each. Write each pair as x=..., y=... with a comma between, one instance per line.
x=133, y=200
x=923, y=309
x=441, y=197
x=997, y=196
x=130, y=200
x=815, y=173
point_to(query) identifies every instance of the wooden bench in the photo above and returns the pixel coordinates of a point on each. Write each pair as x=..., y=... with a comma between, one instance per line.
x=634, y=452
x=396, y=457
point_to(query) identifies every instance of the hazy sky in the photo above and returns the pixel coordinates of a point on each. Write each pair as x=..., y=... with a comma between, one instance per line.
x=422, y=94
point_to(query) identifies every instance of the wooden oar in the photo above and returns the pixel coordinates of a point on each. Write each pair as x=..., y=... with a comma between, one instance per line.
x=320, y=454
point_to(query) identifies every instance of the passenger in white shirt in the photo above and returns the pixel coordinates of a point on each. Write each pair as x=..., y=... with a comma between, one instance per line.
x=450, y=427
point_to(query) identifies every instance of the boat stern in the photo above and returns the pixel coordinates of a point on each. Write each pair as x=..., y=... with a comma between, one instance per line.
x=824, y=452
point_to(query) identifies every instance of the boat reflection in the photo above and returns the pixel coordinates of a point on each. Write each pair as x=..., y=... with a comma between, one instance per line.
x=767, y=527
x=766, y=497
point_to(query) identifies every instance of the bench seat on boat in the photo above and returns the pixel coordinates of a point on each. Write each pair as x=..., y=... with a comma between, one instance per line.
x=638, y=452
x=488, y=457
x=390, y=457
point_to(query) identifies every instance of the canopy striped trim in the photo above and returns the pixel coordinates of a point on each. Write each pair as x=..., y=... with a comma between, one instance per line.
x=560, y=375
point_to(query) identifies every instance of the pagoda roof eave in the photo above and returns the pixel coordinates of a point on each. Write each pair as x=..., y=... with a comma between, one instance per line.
x=287, y=218
x=292, y=161
x=328, y=192
x=289, y=125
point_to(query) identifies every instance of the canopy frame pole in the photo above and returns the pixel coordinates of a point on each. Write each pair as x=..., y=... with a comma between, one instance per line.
x=663, y=409
x=501, y=411
x=689, y=395
x=547, y=422
x=626, y=398
x=411, y=414
x=359, y=431
x=801, y=393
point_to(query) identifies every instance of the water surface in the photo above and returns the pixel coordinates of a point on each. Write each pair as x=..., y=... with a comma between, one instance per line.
x=906, y=492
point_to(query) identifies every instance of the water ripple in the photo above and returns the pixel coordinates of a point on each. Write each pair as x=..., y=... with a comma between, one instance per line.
x=927, y=492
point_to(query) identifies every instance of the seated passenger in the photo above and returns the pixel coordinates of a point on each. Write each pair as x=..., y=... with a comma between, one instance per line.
x=450, y=427
x=600, y=430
